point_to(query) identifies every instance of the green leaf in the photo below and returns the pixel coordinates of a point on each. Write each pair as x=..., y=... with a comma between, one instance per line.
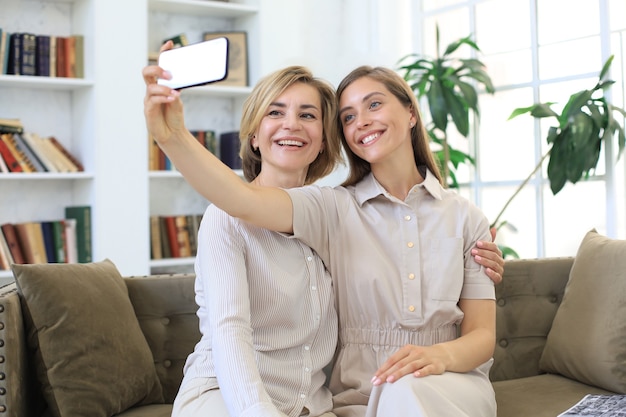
x=543, y=110
x=469, y=95
x=458, y=111
x=553, y=134
x=605, y=68
x=437, y=106
x=557, y=167
x=508, y=252
x=520, y=111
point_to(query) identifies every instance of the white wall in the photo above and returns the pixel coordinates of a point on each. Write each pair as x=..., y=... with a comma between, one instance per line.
x=332, y=37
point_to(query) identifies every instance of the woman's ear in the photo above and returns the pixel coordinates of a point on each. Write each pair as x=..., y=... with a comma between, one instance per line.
x=254, y=143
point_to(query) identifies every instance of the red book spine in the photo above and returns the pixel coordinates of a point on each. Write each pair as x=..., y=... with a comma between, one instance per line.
x=172, y=234
x=12, y=163
x=10, y=235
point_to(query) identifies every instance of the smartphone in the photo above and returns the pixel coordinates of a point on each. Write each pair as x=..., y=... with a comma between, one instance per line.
x=197, y=64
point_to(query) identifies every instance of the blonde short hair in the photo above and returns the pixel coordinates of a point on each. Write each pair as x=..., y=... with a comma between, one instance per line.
x=254, y=109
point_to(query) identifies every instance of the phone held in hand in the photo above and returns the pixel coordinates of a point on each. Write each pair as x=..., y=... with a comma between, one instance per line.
x=197, y=64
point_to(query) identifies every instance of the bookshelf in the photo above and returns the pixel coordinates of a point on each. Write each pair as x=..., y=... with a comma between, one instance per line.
x=100, y=117
x=82, y=114
x=214, y=107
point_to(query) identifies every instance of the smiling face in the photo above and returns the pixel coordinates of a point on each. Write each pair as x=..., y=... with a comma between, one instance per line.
x=376, y=125
x=289, y=137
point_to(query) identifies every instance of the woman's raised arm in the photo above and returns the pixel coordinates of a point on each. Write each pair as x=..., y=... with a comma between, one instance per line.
x=270, y=208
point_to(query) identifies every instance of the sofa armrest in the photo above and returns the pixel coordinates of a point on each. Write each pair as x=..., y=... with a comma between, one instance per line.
x=166, y=309
x=20, y=394
x=527, y=301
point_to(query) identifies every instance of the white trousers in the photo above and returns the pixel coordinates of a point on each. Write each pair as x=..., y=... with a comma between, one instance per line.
x=199, y=398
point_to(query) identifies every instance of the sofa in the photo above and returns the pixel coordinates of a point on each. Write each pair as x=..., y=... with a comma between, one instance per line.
x=122, y=351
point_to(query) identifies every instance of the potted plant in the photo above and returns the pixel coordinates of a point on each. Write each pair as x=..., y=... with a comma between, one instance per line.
x=449, y=86
x=586, y=122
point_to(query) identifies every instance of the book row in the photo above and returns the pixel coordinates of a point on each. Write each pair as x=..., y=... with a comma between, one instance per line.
x=22, y=151
x=174, y=236
x=24, y=53
x=226, y=148
x=66, y=240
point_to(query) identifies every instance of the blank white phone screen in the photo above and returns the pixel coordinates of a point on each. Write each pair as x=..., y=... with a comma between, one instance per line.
x=196, y=64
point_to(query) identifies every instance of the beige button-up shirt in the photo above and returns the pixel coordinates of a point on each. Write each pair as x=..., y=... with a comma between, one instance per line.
x=399, y=267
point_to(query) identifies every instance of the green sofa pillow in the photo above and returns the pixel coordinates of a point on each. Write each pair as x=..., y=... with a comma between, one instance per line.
x=90, y=355
x=587, y=341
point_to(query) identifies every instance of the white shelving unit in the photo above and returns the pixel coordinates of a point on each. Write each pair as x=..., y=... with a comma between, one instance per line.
x=100, y=118
x=213, y=107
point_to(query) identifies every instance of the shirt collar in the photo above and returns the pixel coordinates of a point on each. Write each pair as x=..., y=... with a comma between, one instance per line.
x=369, y=188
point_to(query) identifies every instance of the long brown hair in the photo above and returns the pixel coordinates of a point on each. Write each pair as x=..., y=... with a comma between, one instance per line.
x=359, y=167
x=256, y=105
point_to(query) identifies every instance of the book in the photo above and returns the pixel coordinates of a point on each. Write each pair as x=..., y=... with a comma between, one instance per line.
x=61, y=56
x=53, y=56
x=192, y=232
x=12, y=239
x=82, y=214
x=172, y=236
x=31, y=242
x=4, y=51
x=73, y=160
x=182, y=236
x=79, y=56
x=4, y=168
x=34, y=142
x=165, y=239
x=155, y=238
x=6, y=259
x=71, y=246
x=14, y=53
x=60, y=161
x=210, y=142
x=70, y=57
x=48, y=240
x=29, y=153
x=18, y=154
x=179, y=40
x=7, y=155
x=28, y=54
x=58, y=234
x=42, y=55
x=11, y=125
x=595, y=405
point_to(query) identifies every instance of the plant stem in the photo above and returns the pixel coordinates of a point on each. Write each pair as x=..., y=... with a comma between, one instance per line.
x=446, y=158
x=537, y=167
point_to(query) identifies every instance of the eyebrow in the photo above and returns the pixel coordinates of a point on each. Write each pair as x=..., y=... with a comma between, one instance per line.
x=303, y=106
x=367, y=97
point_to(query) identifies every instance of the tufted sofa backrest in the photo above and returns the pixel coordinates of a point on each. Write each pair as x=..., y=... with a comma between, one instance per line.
x=526, y=303
x=166, y=309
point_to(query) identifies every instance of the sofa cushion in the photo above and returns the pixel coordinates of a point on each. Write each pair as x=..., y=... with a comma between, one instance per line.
x=90, y=354
x=587, y=341
x=545, y=395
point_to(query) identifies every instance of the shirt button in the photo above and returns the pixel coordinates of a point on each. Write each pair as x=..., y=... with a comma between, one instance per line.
x=302, y=396
x=307, y=370
x=307, y=347
x=411, y=308
x=313, y=287
x=411, y=276
x=407, y=217
x=309, y=258
x=410, y=244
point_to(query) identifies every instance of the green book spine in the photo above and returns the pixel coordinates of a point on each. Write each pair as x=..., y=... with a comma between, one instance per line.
x=82, y=214
x=58, y=232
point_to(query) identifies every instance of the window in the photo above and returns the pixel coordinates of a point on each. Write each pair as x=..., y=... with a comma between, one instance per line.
x=535, y=51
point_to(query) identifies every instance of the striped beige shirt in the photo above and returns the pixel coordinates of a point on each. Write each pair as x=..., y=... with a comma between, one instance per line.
x=267, y=318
